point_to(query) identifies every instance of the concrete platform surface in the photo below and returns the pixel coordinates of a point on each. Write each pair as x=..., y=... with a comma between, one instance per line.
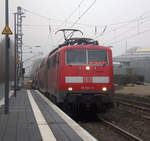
x=32, y=117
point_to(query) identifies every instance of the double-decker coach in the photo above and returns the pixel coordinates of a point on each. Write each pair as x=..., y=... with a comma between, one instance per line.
x=42, y=76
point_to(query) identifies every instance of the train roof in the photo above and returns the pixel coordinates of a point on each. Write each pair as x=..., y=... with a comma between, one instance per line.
x=43, y=61
x=78, y=42
x=85, y=47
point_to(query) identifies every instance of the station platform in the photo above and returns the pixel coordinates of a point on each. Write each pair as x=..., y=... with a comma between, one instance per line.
x=32, y=117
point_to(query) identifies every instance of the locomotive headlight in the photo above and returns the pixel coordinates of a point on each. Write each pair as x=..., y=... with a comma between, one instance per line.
x=104, y=89
x=87, y=68
x=70, y=89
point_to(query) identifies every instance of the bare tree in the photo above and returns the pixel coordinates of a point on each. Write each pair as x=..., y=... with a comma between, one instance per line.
x=2, y=61
x=35, y=65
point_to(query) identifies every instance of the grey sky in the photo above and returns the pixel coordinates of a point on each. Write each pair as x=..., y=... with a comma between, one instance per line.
x=104, y=14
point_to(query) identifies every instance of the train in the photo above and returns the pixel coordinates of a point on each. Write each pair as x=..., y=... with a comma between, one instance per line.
x=77, y=74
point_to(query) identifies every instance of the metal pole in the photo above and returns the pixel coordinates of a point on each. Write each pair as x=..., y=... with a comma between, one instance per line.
x=126, y=47
x=15, y=55
x=7, y=63
x=19, y=44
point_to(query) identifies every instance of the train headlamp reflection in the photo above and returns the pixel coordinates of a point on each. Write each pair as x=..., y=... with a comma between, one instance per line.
x=87, y=68
x=104, y=89
x=70, y=89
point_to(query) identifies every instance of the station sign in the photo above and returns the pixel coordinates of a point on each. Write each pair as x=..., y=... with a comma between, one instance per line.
x=17, y=60
x=7, y=30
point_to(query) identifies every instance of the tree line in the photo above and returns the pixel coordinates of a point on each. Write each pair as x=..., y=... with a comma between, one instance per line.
x=2, y=61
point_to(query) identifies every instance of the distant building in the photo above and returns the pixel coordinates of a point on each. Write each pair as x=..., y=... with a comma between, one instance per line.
x=134, y=61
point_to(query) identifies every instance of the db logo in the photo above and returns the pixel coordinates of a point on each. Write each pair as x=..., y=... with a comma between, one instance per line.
x=87, y=79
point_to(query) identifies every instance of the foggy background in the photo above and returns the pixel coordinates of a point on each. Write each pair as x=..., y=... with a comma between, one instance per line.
x=122, y=24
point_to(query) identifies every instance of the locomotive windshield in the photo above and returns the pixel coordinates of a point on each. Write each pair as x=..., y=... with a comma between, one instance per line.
x=76, y=57
x=97, y=57
x=86, y=57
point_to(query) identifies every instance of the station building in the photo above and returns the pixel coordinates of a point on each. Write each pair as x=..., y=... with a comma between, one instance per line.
x=135, y=61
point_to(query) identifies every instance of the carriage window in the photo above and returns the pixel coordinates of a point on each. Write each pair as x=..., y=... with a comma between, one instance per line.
x=52, y=62
x=97, y=57
x=76, y=57
x=49, y=63
x=58, y=58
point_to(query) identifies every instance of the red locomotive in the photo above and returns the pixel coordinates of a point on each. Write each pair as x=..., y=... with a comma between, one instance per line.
x=78, y=73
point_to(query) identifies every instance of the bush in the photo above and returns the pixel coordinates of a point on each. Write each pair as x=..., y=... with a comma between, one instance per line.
x=126, y=79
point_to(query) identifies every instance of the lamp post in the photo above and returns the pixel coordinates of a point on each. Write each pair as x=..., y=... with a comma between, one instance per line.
x=7, y=62
x=15, y=55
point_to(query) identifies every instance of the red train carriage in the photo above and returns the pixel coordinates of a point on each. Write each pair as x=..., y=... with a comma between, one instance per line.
x=80, y=74
x=35, y=79
x=39, y=76
x=42, y=76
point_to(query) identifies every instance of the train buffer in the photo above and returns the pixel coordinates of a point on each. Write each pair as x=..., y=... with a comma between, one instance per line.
x=32, y=117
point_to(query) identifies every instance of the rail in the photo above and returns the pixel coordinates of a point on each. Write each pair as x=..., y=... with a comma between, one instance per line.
x=133, y=102
x=126, y=134
x=143, y=109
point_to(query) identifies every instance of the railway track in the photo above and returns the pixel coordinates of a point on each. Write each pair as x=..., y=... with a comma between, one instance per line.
x=105, y=130
x=134, y=107
x=122, y=132
x=146, y=105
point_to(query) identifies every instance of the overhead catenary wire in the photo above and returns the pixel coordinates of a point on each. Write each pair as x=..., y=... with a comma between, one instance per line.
x=117, y=28
x=84, y=13
x=57, y=20
x=120, y=24
x=125, y=23
x=129, y=37
x=71, y=14
x=81, y=16
x=136, y=27
x=143, y=18
x=29, y=25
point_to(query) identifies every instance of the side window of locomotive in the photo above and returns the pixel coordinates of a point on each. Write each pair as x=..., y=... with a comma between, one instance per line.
x=49, y=63
x=76, y=57
x=58, y=57
x=97, y=57
x=54, y=61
